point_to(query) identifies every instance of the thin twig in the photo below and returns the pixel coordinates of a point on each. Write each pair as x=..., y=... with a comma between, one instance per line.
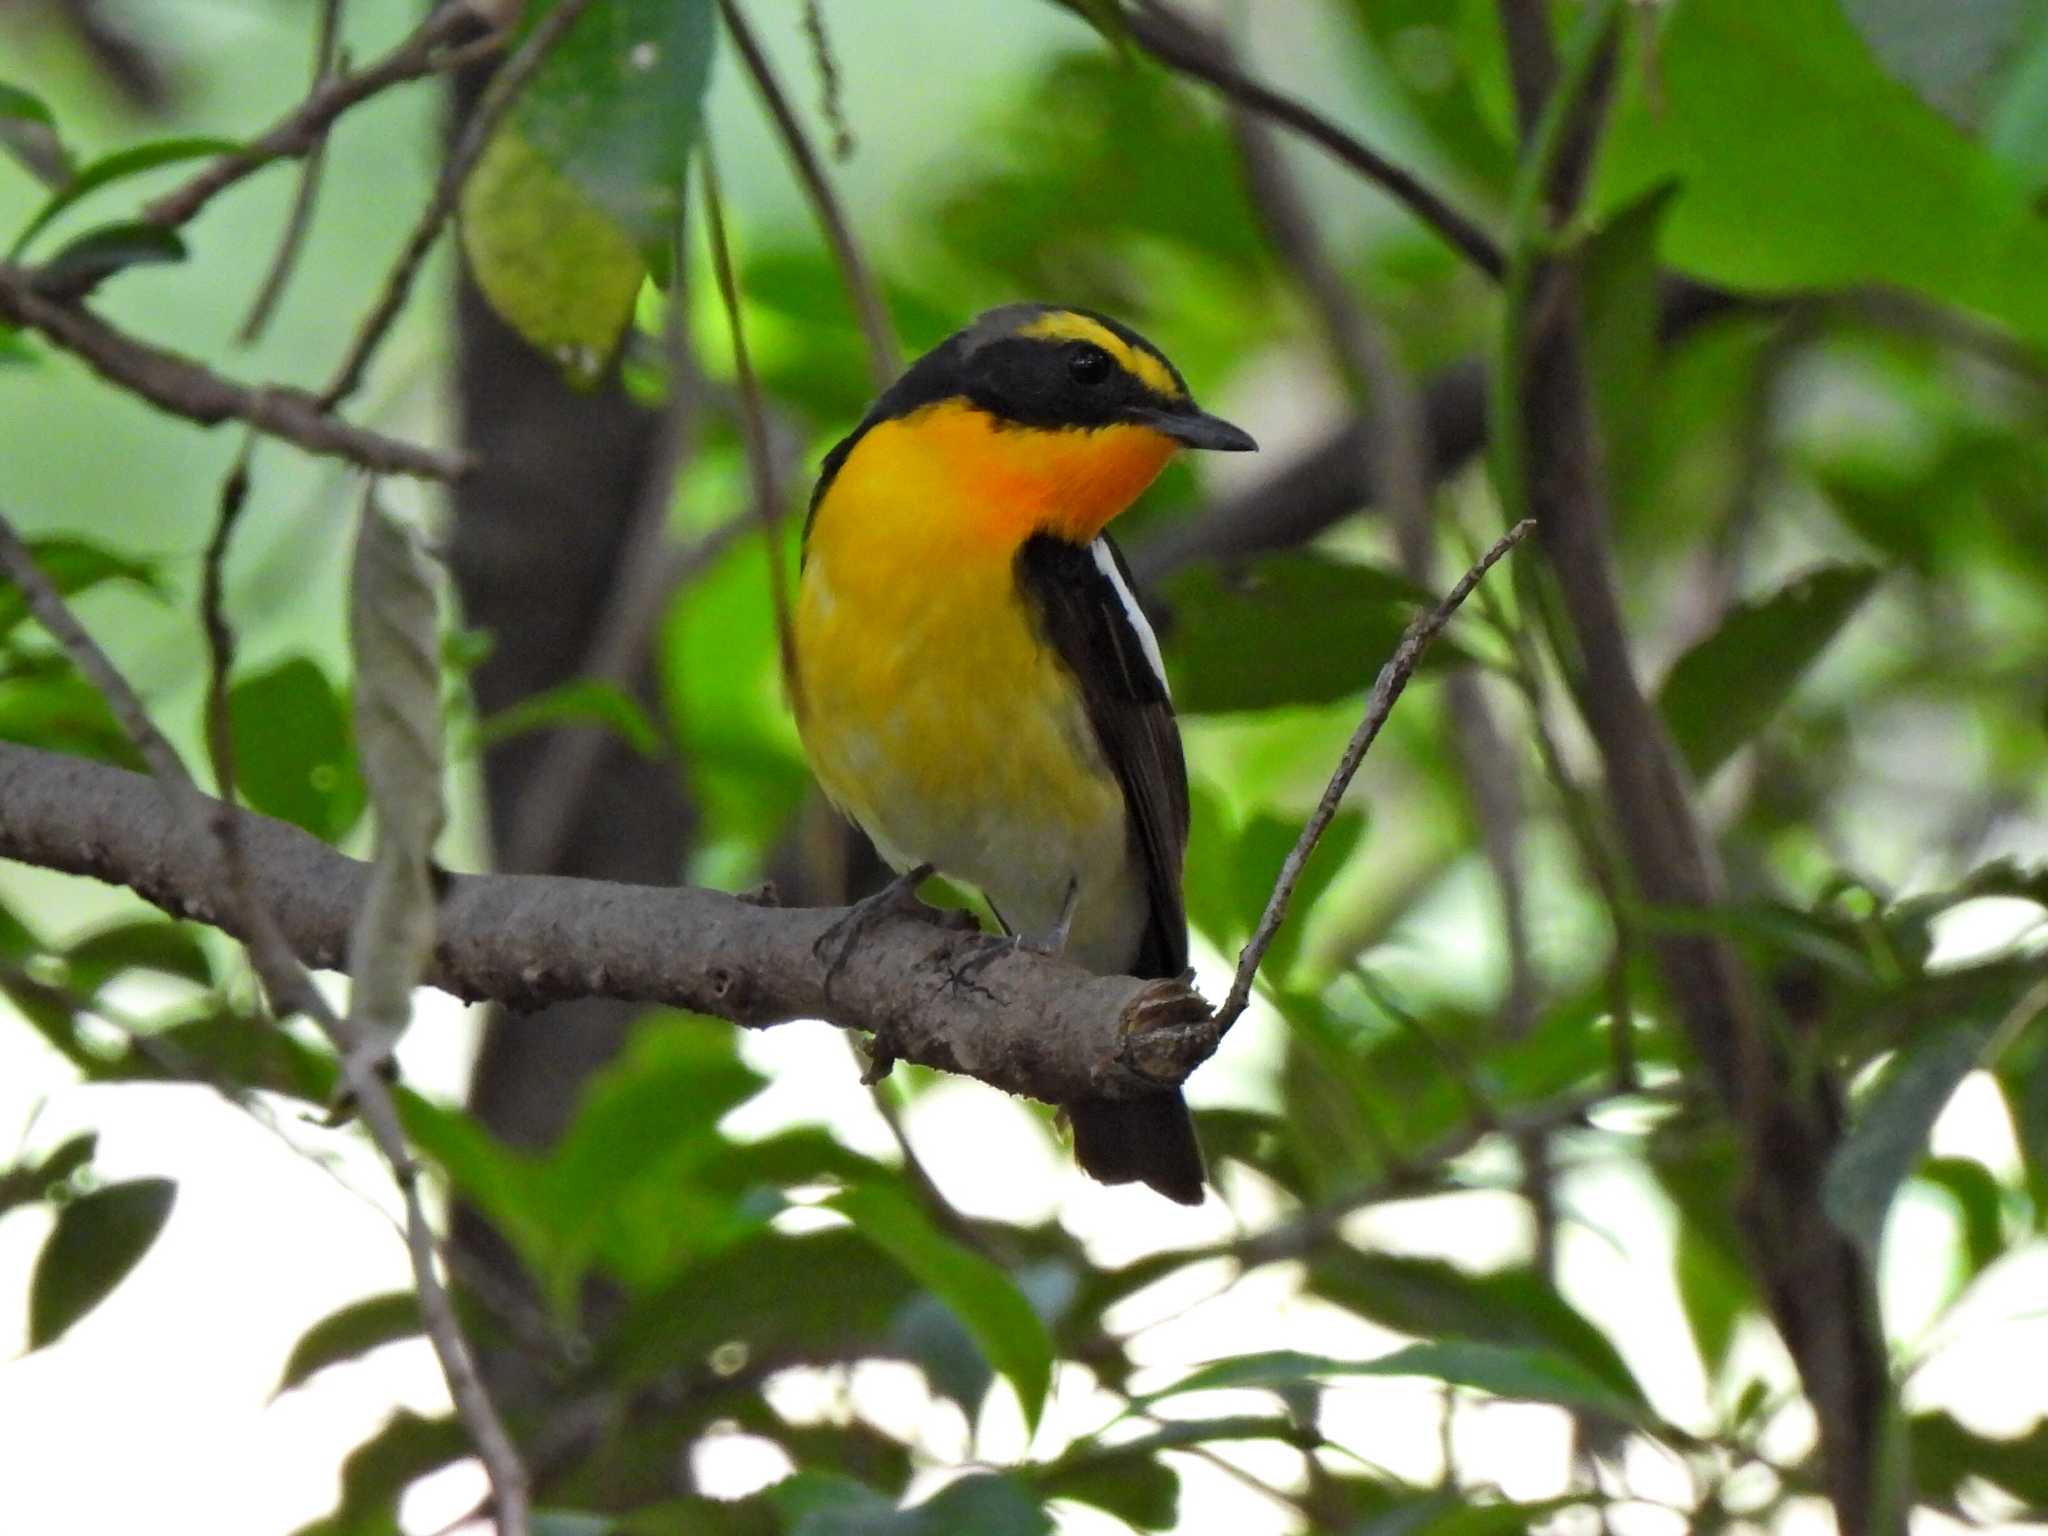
x=1165, y=34
x=754, y=419
x=1398, y=455
x=1386, y=688
x=286, y=980
x=290, y=988
x=326, y=63
x=187, y=388
x=302, y=130
x=98, y=669
x=831, y=98
x=885, y=360
x=497, y=100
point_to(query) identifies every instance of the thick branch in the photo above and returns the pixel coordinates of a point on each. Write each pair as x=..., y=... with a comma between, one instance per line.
x=1022, y=1022
x=187, y=388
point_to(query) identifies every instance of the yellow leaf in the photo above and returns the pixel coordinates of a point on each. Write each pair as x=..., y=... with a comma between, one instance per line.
x=555, y=267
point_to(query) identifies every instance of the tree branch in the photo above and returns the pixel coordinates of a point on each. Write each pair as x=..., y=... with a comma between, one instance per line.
x=1174, y=41
x=304, y=129
x=1386, y=689
x=213, y=831
x=497, y=100
x=186, y=388
x=1820, y=1294
x=1024, y=1023
x=885, y=360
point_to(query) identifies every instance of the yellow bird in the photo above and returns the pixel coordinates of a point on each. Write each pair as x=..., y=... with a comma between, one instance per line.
x=977, y=687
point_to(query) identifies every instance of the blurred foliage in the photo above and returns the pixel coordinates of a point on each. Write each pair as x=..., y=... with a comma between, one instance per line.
x=1831, y=514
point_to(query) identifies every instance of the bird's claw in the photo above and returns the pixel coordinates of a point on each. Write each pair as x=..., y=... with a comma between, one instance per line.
x=896, y=899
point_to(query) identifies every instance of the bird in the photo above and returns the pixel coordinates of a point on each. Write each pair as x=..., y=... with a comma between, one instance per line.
x=976, y=686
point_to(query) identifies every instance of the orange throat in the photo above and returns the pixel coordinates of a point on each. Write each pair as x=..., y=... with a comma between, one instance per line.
x=1008, y=482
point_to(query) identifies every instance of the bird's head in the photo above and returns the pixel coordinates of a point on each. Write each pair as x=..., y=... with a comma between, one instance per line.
x=1034, y=419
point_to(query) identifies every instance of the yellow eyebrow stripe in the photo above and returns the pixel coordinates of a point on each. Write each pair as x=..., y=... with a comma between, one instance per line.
x=1064, y=325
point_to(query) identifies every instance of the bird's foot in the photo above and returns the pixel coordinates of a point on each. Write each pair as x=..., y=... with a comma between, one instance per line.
x=896, y=899
x=1052, y=943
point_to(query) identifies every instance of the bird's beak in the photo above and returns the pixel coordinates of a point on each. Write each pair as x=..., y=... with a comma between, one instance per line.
x=1197, y=428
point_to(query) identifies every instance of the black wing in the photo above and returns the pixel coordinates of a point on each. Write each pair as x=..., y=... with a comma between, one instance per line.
x=1085, y=608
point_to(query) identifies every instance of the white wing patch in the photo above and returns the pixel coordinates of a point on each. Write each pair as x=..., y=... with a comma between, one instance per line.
x=1105, y=562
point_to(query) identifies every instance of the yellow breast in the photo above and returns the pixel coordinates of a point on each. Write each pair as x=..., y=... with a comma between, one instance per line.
x=932, y=711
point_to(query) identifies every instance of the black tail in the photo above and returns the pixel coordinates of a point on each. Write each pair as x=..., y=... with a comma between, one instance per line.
x=1148, y=1141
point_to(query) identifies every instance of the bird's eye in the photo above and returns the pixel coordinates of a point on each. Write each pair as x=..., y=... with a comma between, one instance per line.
x=1088, y=363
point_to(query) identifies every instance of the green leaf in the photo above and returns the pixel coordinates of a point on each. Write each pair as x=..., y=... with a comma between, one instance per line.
x=1290, y=629
x=1511, y=1308
x=31, y=1182
x=377, y=1473
x=1783, y=107
x=1442, y=79
x=555, y=267
x=571, y=1522
x=119, y=166
x=90, y=259
x=1890, y=1134
x=73, y=566
x=1979, y=1204
x=985, y=1503
x=1138, y=1490
x=583, y=701
x=15, y=352
x=46, y=704
x=617, y=106
x=28, y=131
x=816, y=1503
x=1713, y=1292
x=984, y=1297
x=349, y=1333
x=640, y=1181
x=148, y=944
x=1262, y=848
x=1946, y=1455
x=1727, y=688
x=99, y=1237
x=295, y=755
x=826, y=1504
x=1528, y=1374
